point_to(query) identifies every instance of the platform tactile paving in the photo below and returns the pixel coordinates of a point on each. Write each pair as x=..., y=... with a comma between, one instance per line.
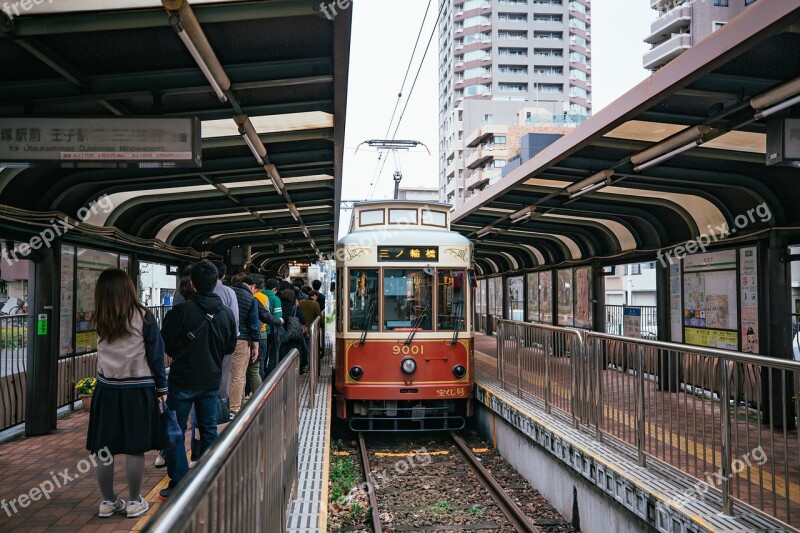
x=305, y=509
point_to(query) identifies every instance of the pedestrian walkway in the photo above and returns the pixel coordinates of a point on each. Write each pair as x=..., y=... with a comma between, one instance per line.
x=33, y=464
x=771, y=485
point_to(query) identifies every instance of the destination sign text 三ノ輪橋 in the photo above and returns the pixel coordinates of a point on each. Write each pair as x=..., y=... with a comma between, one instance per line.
x=408, y=253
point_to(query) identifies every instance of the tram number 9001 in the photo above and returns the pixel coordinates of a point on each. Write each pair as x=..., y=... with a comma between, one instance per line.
x=414, y=349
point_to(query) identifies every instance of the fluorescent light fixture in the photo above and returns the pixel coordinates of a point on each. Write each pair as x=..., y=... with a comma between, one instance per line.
x=313, y=244
x=275, y=177
x=587, y=190
x=485, y=231
x=251, y=138
x=676, y=144
x=295, y=213
x=526, y=213
x=191, y=33
x=305, y=231
x=780, y=93
x=664, y=157
x=778, y=107
x=601, y=176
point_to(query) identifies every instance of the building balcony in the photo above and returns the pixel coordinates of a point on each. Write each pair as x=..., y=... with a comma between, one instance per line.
x=452, y=167
x=479, y=135
x=481, y=177
x=484, y=155
x=665, y=52
x=669, y=23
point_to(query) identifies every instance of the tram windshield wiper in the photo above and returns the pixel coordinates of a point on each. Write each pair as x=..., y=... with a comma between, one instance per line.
x=417, y=323
x=459, y=308
x=367, y=322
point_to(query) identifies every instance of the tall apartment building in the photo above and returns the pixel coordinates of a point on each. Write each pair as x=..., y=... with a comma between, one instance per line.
x=498, y=57
x=683, y=23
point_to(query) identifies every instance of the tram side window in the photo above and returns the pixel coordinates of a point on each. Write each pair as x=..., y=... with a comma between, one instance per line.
x=363, y=293
x=407, y=296
x=451, y=305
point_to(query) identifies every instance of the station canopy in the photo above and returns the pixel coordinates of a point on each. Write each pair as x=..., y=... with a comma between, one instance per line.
x=280, y=68
x=687, y=147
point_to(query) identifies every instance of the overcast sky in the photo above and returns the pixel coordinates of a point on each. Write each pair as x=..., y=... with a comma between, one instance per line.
x=382, y=42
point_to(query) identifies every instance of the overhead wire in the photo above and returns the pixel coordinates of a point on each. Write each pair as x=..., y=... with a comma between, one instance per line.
x=376, y=174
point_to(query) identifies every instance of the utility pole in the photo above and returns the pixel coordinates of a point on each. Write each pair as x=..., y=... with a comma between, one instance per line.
x=393, y=146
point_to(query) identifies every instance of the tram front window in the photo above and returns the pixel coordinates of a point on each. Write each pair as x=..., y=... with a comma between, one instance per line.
x=407, y=296
x=450, y=313
x=363, y=292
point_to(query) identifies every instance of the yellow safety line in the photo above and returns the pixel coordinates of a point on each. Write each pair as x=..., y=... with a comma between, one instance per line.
x=409, y=454
x=322, y=522
x=754, y=476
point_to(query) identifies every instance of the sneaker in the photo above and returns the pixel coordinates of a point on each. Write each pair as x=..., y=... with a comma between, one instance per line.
x=160, y=461
x=137, y=508
x=165, y=493
x=108, y=508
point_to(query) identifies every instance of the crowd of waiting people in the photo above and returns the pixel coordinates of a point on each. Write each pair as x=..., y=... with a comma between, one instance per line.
x=224, y=339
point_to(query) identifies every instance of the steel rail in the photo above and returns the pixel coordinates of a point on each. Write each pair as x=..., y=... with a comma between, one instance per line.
x=373, y=502
x=513, y=513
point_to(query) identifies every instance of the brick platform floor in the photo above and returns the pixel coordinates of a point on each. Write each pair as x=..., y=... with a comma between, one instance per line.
x=27, y=462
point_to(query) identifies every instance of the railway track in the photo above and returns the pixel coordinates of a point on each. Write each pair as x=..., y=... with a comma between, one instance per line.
x=446, y=489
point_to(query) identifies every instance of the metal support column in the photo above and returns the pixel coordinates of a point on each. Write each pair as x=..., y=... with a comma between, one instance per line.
x=669, y=365
x=776, y=323
x=42, y=370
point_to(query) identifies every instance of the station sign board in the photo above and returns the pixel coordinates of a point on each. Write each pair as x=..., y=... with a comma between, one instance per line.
x=110, y=142
x=632, y=322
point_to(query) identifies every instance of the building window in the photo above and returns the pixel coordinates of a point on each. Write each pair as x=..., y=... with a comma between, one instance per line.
x=748, y=2
x=636, y=269
x=716, y=25
x=721, y=3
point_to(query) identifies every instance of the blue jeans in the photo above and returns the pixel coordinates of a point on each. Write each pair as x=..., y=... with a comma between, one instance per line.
x=205, y=406
x=272, y=354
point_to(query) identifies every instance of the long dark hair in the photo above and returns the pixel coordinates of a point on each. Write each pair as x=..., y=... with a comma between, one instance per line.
x=115, y=302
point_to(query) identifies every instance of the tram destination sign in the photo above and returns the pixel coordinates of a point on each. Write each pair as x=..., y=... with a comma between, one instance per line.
x=423, y=254
x=111, y=142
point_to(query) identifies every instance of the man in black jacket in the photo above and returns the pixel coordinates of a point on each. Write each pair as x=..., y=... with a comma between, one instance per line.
x=247, y=342
x=197, y=335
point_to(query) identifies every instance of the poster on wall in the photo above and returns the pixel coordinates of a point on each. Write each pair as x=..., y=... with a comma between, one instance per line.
x=565, y=299
x=533, y=297
x=748, y=298
x=675, y=314
x=583, y=297
x=546, y=296
x=90, y=264
x=710, y=304
x=632, y=322
x=67, y=282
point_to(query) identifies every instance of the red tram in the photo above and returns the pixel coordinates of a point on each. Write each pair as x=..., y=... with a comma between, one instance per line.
x=404, y=336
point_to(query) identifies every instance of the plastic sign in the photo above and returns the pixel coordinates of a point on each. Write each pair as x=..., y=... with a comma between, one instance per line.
x=111, y=142
x=421, y=254
x=41, y=324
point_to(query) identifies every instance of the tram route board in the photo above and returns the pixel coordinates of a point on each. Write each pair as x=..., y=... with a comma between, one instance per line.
x=408, y=253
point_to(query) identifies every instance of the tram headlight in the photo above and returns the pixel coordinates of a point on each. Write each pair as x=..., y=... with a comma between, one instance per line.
x=459, y=371
x=408, y=366
x=356, y=372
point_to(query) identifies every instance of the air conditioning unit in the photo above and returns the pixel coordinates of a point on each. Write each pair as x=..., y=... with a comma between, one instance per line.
x=783, y=142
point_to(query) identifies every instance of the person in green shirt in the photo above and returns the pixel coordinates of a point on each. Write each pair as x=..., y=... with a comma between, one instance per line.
x=270, y=291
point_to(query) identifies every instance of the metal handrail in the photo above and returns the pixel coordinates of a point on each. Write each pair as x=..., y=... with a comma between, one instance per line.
x=214, y=492
x=658, y=398
x=313, y=375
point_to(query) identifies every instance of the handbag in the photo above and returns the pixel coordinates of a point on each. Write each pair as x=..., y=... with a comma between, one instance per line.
x=281, y=335
x=171, y=433
x=223, y=411
x=294, y=328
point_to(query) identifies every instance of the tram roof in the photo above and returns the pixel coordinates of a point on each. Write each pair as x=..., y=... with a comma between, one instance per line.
x=408, y=237
x=288, y=65
x=669, y=203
